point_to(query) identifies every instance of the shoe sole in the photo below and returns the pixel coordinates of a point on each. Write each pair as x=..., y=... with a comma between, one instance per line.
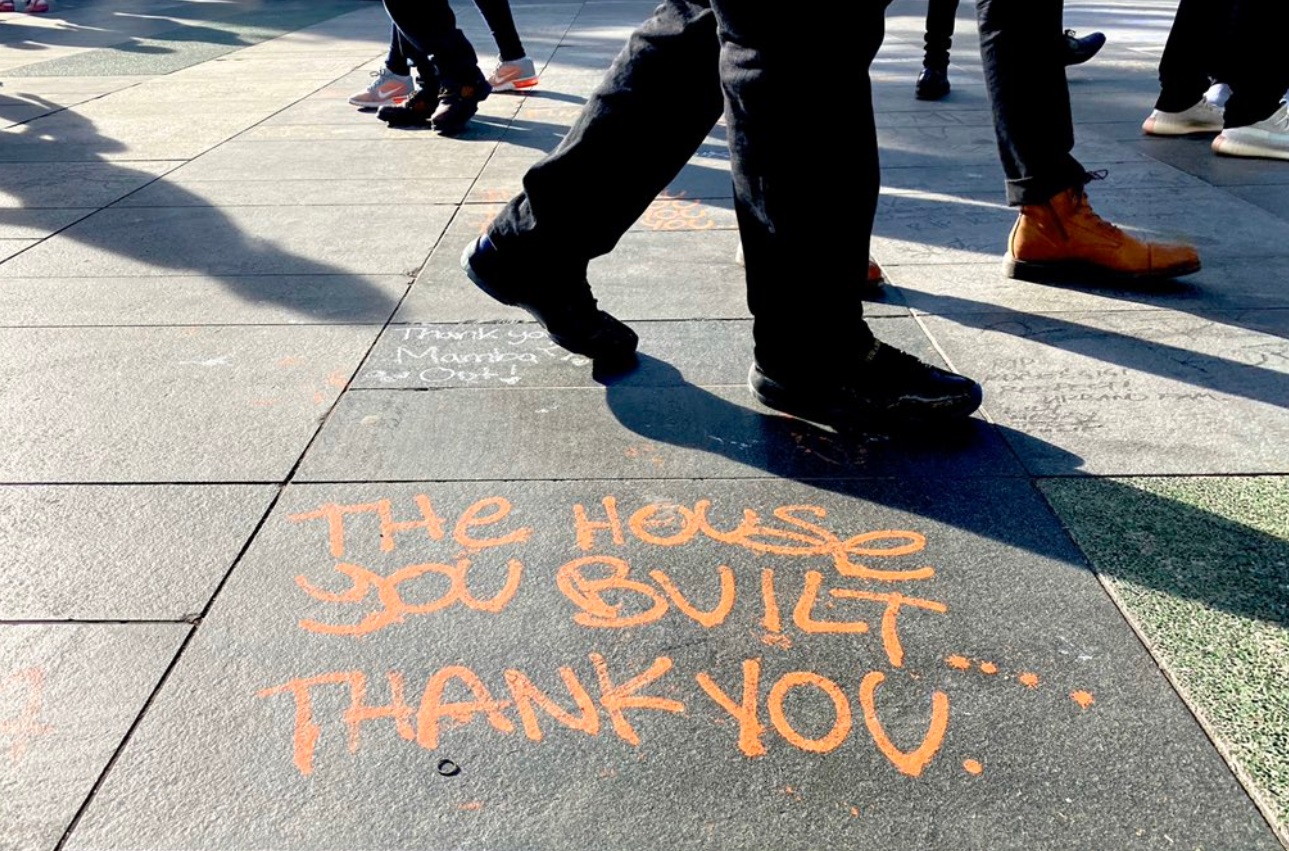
x=1236, y=148
x=614, y=360
x=780, y=400
x=515, y=85
x=931, y=95
x=1074, y=272
x=1151, y=128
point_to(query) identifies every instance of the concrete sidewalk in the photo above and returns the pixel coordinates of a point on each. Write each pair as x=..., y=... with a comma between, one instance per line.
x=308, y=544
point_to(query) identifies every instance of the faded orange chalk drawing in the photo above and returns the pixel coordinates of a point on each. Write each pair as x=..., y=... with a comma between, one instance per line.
x=22, y=728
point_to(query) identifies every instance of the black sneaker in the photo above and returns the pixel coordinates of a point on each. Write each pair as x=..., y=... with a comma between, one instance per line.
x=413, y=112
x=566, y=309
x=933, y=84
x=1080, y=50
x=890, y=388
x=458, y=106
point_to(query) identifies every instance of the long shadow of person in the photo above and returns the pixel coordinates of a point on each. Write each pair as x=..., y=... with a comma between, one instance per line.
x=915, y=472
x=189, y=236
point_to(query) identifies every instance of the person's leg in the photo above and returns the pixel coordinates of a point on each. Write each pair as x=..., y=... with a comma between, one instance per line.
x=390, y=83
x=815, y=357
x=430, y=27
x=1257, y=124
x=941, y=17
x=630, y=140
x=1057, y=237
x=502, y=24
x=1190, y=53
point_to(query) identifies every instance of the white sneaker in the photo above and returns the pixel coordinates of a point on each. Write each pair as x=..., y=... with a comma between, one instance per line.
x=1268, y=139
x=513, y=75
x=1203, y=117
x=386, y=88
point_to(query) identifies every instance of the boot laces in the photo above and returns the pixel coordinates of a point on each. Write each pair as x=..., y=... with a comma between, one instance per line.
x=1091, y=217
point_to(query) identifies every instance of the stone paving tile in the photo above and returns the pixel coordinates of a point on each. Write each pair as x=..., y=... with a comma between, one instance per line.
x=36, y=224
x=10, y=247
x=1016, y=698
x=1272, y=198
x=1223, y=284
x=1202, y=565
x=201, y=300
x=233, y=241
x=1196, y=157
x=1133, y=393
x=33, y=185
x=68, y=695
x=178, y=191
x=427, y=156
x=78, y=552
x=209, y=404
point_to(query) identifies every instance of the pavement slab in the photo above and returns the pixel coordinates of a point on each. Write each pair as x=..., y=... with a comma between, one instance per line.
x=578, y=684
x=156, y=552
x=200, y=300
x=1202, y=567
x=55, y=185
x=231, y=242
x=167, y=404
x=1132, y=393
x=68, y=695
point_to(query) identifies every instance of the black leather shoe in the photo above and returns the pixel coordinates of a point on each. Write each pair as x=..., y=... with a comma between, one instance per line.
x=413, y=112
x=1080, y=50
x=458, y=106
x=891, y=388
x=566, y=309
x=933, y=84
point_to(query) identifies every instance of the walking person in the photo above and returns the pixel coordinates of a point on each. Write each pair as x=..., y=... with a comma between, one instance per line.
x=941, y=19
x=1057, y=236
x=1240, y=43
x=814, y=356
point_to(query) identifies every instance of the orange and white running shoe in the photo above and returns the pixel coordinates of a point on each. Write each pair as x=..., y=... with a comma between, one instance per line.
x=513, y=75
x=386, y=88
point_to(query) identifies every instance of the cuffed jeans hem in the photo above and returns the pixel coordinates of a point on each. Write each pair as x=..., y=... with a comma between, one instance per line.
x=1036, y=190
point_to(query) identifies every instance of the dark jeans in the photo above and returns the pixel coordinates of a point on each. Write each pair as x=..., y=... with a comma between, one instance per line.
x=941, y=17
x=1021, y=47
x=658, y=102
x=1241, y=42
x=431, y=27
x=403, y=55
x=502, y=23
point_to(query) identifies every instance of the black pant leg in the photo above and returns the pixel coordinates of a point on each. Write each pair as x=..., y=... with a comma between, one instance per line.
x=1256, y=67
x=501, y=22
x=941, y=18
x=803, y=259
x=655, y=106
x=431, y=27
x=1020, y=46
x=1191, y=54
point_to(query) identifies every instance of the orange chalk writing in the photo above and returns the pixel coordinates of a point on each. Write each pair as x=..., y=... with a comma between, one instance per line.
x=394, y=608
x=911, y=762
x=771, y=621
x=958, y=663
x=616, y=698
x=972, y=767
x=988, y=668
x=26, y=725
x=1029, y=680
x=528, y=697
x=717, y=615
x=1083, y=699
x=841, y=724
x=803, y=614
x=334, y=514
x=359, y=712
x=586, y=528
x=648, y=518
x=588, y=593
x=305, y=737
x=894, y=602
x=750, y=728
x=434, y=709
x=473, y=516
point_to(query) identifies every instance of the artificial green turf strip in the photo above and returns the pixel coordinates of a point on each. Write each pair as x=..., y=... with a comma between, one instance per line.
x=1202, y=564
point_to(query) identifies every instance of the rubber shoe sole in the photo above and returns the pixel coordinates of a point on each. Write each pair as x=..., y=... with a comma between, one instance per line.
x=845, y=413
x=1075, y=272
x=610, y=343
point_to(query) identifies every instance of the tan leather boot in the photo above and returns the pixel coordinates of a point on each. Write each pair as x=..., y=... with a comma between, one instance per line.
x=1064, y=240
